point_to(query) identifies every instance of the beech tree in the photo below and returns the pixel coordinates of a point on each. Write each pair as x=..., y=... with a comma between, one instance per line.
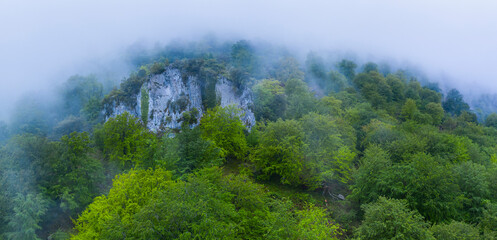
x=270, y=101
x=347, y=68
x=147, y=204
x=455, y=230
x=454, y=103
x=392, y=219
x=280, y=152
x=224, y=128
x=124, y=139
x=28, y=211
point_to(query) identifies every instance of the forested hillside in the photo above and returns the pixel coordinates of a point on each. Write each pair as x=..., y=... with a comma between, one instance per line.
x=342, y=150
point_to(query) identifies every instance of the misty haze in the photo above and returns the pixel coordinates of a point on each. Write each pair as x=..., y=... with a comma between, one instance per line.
x=248, y=119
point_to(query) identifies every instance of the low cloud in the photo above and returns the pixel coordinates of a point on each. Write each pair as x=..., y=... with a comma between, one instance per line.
x=44, y=42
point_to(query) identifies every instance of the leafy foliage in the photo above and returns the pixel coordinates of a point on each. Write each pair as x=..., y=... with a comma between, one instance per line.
x=300, y=100
x=186, y=152
x=78, y=175
x=455, y=230
x=224, y=128
x=269, y=100
x=80, y=93
x=347, y=68
x=392, y=219
x=27, y=215
x=280, y=152
x=305, y=152
x=374, y=88
x=125, y=140
x=491, y=120
x=144, y=105
x=157, y=68
x=127, y=93
x=244, y=62
x=287, y=68
x=110, y=216
x=454, y=103
x=148, y=204
x=335, y=148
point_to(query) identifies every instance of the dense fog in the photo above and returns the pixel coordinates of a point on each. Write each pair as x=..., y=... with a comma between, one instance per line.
x=45, y=42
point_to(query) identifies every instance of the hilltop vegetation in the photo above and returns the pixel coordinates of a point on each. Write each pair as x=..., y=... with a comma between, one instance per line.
x=340, y=151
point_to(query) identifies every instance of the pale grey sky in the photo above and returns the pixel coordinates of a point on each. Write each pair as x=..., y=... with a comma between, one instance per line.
x=43, y=42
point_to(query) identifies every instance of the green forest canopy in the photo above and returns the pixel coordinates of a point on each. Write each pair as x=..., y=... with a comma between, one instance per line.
x=364, y=154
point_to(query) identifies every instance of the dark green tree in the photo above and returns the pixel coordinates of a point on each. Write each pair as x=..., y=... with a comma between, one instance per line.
x=397, y=87
x=455, y=230
x=370, y=66
x=244, y=62
x=300, y=100
x=488, y=222
x=435, y=111
x=28, y=212
x=392, y=219
x=315, y=67
x=336, y=82
x=287, y=68
x=347, y=68
x=144, y=105
x=409, y=110
x=281, y=153
x=186, y=152
x=491, y=120
x=81, y=92
x=327, y=158
x=269, y=100
x=430, y=188
x=374, y=88
x=157, y=68
x=454, y=103
x=471, y=179
x=75, y=175
x=371, y=179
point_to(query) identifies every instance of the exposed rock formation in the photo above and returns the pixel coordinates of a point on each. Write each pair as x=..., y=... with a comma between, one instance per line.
x=170, y=96
x=229, y=96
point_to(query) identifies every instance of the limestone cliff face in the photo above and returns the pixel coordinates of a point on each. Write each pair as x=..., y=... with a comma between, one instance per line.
x=170, y=95
x=228, y=95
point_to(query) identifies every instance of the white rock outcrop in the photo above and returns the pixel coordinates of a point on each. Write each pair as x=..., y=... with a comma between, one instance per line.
x=170, y=96
x=229, y=95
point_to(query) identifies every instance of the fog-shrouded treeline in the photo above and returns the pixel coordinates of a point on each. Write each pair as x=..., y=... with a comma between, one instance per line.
x=341, y=149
